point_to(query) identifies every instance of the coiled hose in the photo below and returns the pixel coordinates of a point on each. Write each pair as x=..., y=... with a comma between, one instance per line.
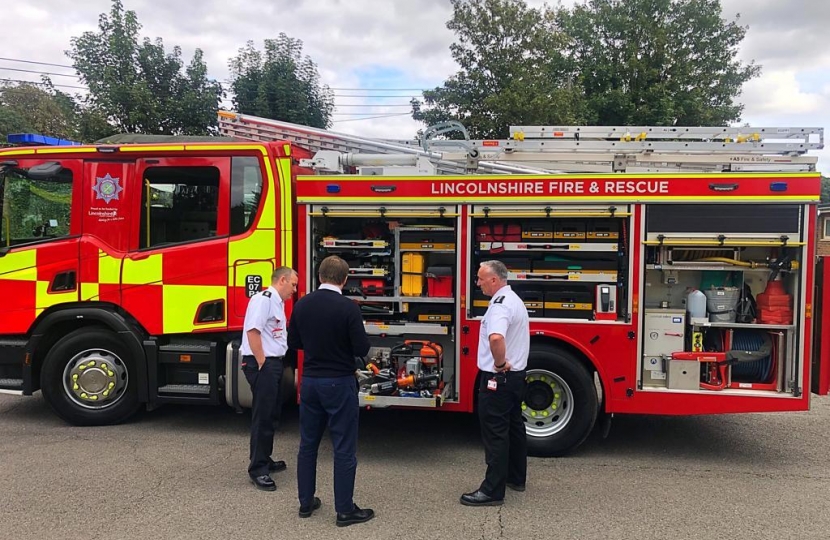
x=759, y=370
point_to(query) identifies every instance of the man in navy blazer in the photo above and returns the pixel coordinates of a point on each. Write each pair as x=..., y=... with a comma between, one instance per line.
x=328, y=327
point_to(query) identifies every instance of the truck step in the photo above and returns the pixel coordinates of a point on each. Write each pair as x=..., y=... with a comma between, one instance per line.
x=190, y=389
x=11, y=384
x=185, y=346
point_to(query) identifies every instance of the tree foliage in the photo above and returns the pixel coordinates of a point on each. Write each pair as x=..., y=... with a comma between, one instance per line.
x=606, y=62
x=280, y=83
x=27, y=108
x=140, y=87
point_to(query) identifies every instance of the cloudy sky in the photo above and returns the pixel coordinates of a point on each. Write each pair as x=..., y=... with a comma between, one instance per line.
x=391, y=48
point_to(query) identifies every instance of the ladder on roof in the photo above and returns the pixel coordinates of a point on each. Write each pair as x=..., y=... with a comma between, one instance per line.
x=558, y=149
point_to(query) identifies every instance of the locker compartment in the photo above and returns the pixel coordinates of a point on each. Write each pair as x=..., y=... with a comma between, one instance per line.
x=569, y=303
x=427, y=240
x=412, y=274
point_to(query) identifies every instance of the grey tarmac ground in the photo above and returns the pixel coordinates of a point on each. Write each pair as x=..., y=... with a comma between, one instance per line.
x=179, y=472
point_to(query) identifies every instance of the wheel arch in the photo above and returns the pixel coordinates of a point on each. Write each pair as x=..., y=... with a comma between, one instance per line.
x=590, y=363
x=58, y=321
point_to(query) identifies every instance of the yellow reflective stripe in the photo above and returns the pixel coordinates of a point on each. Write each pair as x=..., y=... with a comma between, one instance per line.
x=259, y=246
x=109, y=269
x=181, y=303
x=287, y=212
x=89, y=291
x=143, y=271
x=44, y=299
x=19, y=265
x=18, y=152
x=165, y=148
x=66, y=150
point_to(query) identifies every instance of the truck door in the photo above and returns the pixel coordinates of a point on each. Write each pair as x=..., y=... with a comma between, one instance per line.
x=254, y=240
x=174, y=277
x=39, y=236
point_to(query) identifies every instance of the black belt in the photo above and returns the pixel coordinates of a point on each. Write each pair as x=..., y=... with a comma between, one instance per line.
x=510, y=372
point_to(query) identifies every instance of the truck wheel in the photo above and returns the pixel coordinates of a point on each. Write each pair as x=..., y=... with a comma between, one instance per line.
x=88, y=378
x=560, y=405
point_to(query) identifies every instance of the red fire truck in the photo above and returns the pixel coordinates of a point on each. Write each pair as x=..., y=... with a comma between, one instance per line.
x=653, y=288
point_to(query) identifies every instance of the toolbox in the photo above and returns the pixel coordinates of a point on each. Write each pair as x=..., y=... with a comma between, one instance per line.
x=569, y=303
x=537, y=230
x=439, y=282
x=569, y=229
x=412, y=270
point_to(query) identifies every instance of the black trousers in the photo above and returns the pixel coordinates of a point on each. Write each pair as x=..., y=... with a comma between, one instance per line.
x=503, y=431
x=265, y=411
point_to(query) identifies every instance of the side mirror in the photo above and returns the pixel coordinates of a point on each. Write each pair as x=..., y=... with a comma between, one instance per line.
x=44, y=171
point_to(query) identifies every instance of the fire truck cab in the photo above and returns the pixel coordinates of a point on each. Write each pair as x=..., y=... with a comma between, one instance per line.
x=125, y=271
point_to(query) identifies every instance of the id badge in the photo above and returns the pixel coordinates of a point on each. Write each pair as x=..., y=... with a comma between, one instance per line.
x=492, y=384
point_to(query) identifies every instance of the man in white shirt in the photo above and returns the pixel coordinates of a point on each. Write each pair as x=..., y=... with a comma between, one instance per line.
x=503, y=348
x=264, y=344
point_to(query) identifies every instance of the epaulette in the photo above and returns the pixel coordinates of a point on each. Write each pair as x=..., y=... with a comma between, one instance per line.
x=499, y=300
x=266, y=294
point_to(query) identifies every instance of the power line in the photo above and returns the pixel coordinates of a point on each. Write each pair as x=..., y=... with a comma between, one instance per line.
x=368, y=118
x=38, y=63
x=39, y=72
x=44, y=84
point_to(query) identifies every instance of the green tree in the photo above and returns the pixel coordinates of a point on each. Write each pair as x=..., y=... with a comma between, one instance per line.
x=657, y=62
x=512, y=71
x=825, y=189
x=606, y=62
x=30, y=108
x=280, y=83
x=140, y=87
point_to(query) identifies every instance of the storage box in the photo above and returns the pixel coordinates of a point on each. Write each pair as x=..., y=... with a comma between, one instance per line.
x=498, y=232
x=439, y=282
x=683, y=375
x=429, y=313
x=569, y=230
x=480, y=304
x=412, y=274
x=569, y=304
x=534, y=302
x=605, y=230
x=537, y=230
x=427, y=240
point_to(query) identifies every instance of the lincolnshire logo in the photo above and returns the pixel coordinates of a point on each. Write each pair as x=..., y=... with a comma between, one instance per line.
x=106, y=188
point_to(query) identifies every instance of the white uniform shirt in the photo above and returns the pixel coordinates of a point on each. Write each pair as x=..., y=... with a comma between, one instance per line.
x=266, y=313
x=506, y=315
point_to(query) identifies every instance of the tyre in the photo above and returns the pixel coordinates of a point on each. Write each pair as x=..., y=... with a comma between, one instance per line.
x=560, y=405
x=89, y=378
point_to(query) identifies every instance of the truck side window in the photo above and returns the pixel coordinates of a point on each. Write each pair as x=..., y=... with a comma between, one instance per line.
x=246, y=192
x=35, y=210
x=182, y=206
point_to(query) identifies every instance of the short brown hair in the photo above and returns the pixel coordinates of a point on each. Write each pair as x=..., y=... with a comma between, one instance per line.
x=333, y=270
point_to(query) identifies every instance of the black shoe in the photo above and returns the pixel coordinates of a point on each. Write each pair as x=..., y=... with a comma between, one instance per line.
x=306, y=511
x=355, y=516
x=479, y=498
x=264, y=482
x=516, y=487
x=276, y=466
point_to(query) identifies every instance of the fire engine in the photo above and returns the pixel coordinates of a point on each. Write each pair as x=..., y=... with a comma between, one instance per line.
x=665, y=270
